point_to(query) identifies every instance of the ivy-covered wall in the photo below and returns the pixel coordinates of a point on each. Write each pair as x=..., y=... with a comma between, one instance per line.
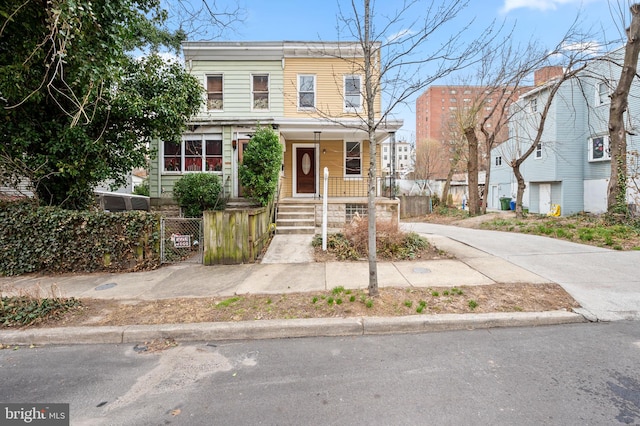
x=51, y=239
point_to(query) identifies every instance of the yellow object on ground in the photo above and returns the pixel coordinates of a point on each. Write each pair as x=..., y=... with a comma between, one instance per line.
x=555, y=210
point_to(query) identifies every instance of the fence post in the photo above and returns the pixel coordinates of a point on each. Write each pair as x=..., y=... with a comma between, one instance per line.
x=324, y=210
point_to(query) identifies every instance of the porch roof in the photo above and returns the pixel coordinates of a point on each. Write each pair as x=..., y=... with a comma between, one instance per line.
x=306, y=129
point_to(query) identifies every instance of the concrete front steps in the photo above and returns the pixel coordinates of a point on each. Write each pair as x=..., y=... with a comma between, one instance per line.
x=295, y=218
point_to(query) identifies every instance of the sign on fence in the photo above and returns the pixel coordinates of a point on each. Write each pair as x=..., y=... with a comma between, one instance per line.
x=181, y=241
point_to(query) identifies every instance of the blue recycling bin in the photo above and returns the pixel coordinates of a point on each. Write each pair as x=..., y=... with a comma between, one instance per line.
x=512, y=204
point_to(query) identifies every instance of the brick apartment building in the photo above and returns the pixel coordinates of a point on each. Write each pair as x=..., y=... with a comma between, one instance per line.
x=438, y=104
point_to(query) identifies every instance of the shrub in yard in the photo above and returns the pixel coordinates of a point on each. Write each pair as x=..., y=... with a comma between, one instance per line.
x=20, y=311
x=197, y=192
x=260, y=169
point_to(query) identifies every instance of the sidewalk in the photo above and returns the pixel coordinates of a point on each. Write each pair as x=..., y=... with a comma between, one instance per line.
x=285, y=268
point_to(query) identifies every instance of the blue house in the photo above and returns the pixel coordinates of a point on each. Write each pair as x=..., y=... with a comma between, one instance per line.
x=571, y=165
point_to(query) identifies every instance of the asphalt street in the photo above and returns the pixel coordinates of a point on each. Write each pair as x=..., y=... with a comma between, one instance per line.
x=578, y=374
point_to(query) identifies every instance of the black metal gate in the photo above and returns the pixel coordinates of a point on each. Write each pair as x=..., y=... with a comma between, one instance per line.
x=181, y=240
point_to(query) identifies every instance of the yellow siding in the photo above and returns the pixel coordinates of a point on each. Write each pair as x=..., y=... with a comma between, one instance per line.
x=333, y=159
x=329, y=74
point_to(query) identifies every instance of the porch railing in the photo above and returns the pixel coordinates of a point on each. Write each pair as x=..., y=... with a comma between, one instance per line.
x=350, y=187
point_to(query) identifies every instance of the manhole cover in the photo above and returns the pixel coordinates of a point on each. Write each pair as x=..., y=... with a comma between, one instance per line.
x=106, y=286
x=421, y=270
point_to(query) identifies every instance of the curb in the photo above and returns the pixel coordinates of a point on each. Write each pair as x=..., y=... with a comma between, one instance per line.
x=278, y=329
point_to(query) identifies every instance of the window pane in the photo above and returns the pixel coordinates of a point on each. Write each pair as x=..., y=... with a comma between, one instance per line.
x=352, y=166
x=193, y=148
x=306, y=100
x=352, y=101
x=598, y=148
x=306, y=83
x=260, y=83
x=172, y=157
x=214, y=147
x=214, y=83
x=352, y=85
x=353, y=149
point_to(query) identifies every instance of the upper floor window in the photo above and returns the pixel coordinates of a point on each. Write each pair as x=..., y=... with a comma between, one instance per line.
x=352, y=98
x=214, y=92
x=599, y=148
x=604, y=92
x=260, y=91
x=498, y=160
x=353, y=159
x=539, y=150
x=306, y=91
x=533, y=105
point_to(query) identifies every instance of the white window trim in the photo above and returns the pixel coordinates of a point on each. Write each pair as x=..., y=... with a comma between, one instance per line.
x=607, y=99
x=344, y=88
x=538, y=151
x=202, y=138
x=253, y=108
x=345, y=161
x=607, y=149
x=533, y=105
x=206, y=94
x=315, y=93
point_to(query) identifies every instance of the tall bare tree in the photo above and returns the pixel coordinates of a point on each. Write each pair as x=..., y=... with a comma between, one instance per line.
x=403, y=54
x=617, y=188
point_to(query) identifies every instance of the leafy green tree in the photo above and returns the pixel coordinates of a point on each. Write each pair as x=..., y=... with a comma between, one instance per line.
x=76, y=107
x=261, y=163
x=197, y=192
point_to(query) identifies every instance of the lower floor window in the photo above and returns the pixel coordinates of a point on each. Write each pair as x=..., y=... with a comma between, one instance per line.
x=194, y=154
x=353, y=210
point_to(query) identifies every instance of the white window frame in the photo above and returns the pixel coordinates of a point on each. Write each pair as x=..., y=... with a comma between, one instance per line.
x=606, y=154
x=498, y=161
x=206, y=87
x=603, y=96
x=348, y=108
x=314, y=92
x=533, y=105
x=538, y=153
x=254, y=93
x=203, y=154
x=347, y=158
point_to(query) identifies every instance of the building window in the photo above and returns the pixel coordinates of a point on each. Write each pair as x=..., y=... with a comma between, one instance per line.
x=353, y=210
x=214, y=93
x=385, y=149
x=599, y=149
x=385, y=157
x=260, y=91
x=498, y=161
x=306, y=91
x=352, y=91
x=539, y=150
x=604, y=92
x=533, y=105
x=353, y=159
x=196, y=154
x=172, y=157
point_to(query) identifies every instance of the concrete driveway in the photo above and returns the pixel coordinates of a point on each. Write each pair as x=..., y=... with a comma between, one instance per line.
x=605, y=282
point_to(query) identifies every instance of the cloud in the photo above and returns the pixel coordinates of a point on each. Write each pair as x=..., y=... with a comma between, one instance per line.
x=400, y=34
x=541, y=5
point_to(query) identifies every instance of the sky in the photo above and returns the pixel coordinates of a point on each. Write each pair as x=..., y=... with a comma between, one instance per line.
x=316, y=20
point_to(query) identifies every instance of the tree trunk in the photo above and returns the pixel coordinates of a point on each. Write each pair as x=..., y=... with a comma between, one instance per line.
x=617, y=189
x=472, y=171
x=521, y=187
x=369, y=99
x=447, y=183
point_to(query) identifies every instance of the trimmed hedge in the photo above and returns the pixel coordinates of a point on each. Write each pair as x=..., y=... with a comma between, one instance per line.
x=51, y=239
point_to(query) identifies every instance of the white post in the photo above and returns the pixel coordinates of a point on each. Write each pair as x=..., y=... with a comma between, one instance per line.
x=324, y=208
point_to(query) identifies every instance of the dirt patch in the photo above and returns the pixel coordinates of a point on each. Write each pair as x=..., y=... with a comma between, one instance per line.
x=330, y=304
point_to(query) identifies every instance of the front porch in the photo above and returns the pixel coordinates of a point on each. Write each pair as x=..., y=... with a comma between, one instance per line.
x=340, y=211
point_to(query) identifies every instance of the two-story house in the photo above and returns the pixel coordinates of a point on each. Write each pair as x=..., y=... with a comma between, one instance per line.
x=311, y=93
x=571, y=165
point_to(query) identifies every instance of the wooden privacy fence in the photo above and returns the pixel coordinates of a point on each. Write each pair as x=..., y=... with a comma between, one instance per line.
x=235, y=236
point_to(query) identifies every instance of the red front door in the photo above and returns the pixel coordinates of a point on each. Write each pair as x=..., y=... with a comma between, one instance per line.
x=305, y=171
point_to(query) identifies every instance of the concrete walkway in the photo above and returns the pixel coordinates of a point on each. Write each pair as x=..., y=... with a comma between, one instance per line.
x=605, y=282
